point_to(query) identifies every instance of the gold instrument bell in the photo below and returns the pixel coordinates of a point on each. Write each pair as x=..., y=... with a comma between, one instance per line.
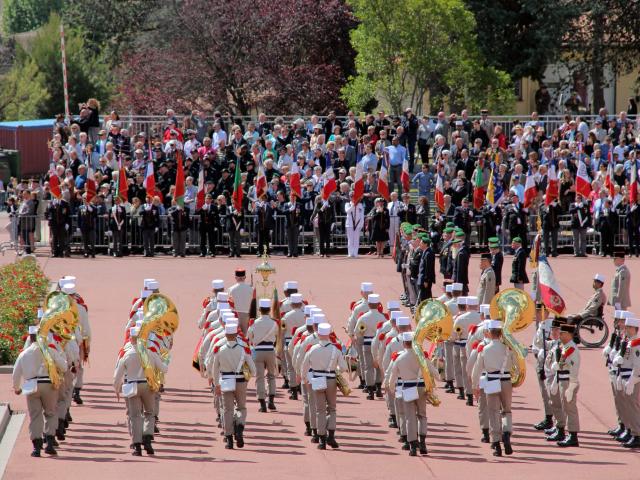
x=517, y=311
x=435, y=324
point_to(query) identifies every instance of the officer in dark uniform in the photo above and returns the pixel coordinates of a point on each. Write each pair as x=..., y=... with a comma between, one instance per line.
x=292, y=211
x=550, y=219
x=180, y=223
x=463, y=218
x=461, y=265
x=445, y=254
x=497, y=259
x=150, y=223
x=264, y=223
x=87, y=221
x=519, y=266
x=234, y=225
x=208, y=224
x=118, y=226
x=517, y=217
x=427, y=270
x=59, y=215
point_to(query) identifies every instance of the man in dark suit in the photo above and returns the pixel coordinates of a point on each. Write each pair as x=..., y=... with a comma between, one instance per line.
x=427, y=271
x=330, y=123
x=87, y=221
x=59, y=215
x=263, y=211
x=461, y=265
x=292, y=211
x=208, y=224
x=519, y=266
x=497, y=260
x=150, y=224
x=445, y=254
x=517, y=217
x=118, y=226
x=463, y=218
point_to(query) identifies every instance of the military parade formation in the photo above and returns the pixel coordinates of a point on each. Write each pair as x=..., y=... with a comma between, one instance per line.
x=389, y=353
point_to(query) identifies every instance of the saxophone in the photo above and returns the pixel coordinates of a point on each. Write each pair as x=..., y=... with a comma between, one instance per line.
x=60, y=318
x=434, y=324
x=517, y=311
x=161, y=318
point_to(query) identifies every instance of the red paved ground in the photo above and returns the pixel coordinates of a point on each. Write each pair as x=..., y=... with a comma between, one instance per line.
x=190, y=445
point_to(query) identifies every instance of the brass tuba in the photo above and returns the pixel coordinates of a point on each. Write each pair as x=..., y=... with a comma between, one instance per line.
x=60, y=318
x=161, y=318
x=434, y=323
x=517, y=311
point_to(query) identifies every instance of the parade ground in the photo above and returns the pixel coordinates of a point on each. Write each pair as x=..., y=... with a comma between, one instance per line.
x=190, y=446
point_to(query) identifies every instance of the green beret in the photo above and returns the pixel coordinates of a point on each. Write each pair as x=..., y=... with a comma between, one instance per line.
x=425, y=238
x=460, y=234
x=448, y=230
x=404, y=225
x=494, y=240
x=450, y=224
x=417, y=226
x=516, y=240
x=456, y=240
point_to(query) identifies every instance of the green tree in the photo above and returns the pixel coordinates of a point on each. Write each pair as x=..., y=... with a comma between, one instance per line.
x=24, y=15
x=20, y=99
x=408, y=47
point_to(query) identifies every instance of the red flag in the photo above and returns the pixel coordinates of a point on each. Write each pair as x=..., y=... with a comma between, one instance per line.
x=633, y=183
x=294, y=180
x=358, y=184
x=90, y=185
x=608, y=181
x=178, y=195
x=530, y=189
x=54, y=185
x=149, y=182
x=583, y=182
x=237, y=190
x=330, y=185
x=553, y=191
x=478, y=189
x=122, y=182
x=261, y=179
x=383, y=183
x=439, y=193
x=549, y=291
x=404, y=176
x=200, y=196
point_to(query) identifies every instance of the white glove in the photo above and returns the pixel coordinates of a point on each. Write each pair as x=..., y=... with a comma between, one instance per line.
x=618, y=360
x=569, y=393
x=619, y=383
x=66, y=227
x=156, y=229
x=606, y=351
x=209, y=306
x=553, y=389
x=555, y=366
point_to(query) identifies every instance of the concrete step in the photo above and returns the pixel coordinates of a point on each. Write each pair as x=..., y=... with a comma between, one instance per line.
x=10, y=425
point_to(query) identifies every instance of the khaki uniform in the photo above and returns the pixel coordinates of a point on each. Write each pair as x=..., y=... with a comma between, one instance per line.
x=84, y=340
x=567, y=370
x=71, y=353
x=207, y=310
x=262, y=335
x=461, y=331
x=365, y=329
x=292, y=320
x=322, y=360
x=486, y=286
x=594, y=305
x=620, y=287
x=308, y=399
x=628, y=384
x=393, y=345
x=540, y=348
x=610, y=355
x=360, y=308
x=129, y=370
x=472, y=357
x=495, y=362
x=407, y=367
x=449, y=371
x=555, y=402
x=227, y=364
x=242, y=293
x=41, y=404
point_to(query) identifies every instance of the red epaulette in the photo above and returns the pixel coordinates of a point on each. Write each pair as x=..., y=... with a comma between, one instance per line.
x=474, y=345
x=388, y=340
x=361, y=314
x=80, y=301
x=247, y=350
x=154, y=350
x=394, y=356
x=232, y=305
x=568, y=353
x=206, y=325
x=293, y=330
x=381, y=336
x=277, y=321
x=379, y=325
x=386, y=315
x=337, y=345
x=135, y=300
x=51, y=345
x=57, y=338
x=472, y=329
x=205, y=302
x=305, y=302
x=308, y=347
x=297, y=339
x=121, y=353
x=480, y=347
x=380, y=309
x=216, y=349
x=353, y=304
x=132, y=313
x=251, y=321
x=217, y=340
x=634, y=343
x=426, y=354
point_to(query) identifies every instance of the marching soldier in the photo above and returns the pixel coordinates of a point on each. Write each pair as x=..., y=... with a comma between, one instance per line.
x=487, y=285
x=129, y=378
x=567, y=367
x=461, y=326
x=358, y=308
x=323, y=361
x=497, y=259
x=365, y=331
x=31, y=378
x=306, y=329
x=494, y=363
x=231, y=384
x=554, y=351
x=461, y=303
x=540, y=348
x=610, y=352
x=519, y=266
x=262, y=335
x=452, y=305
x=291, y=321
x=241, y=294
x=620, y=298
x=631, y=386
x=475, y=345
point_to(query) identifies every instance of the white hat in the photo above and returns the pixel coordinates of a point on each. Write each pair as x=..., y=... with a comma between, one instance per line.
x=314, y=311
x=324, y=329
x=291, y=285
x=227, y=313
x=461, y=300
x=222, y=306
x=264, y=303
x=33, y=329
x=618, y=314
x=396, y=314
x=231, y=328
x=407, y=336
x=308, y=308
x=308, y=321
x=40, y=313
x=393, y=304
x=366, y=287
x=296, y=298
x=449, y=288
x=632, y=322
x=69, y=278
x=69, y=288
x=599, y=277
x=494, y=324
x=153, y=285
x=373, y=298
x=483, y=324
x=222, y=297
x=485, y=309
x=403, y=321
x=457, y=287
x=146, y=281
x=472, y=300
x=134, y=331
x=318, y=318
x=217, y=284
x=144, y=293
x=626, y=315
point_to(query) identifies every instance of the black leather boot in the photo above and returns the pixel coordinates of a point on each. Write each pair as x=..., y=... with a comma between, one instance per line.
x=570, y=440
x=285, y=384
x=370, y=393
x=556, y=436
x=497, y=449
x=146, y=443
x=413, y=449
x=448, y=387
x=228, y=439
x=460, y=393
x=393, y=423
x=314, y=436
x=307, y=430
x=614, y=432
x=271, y=405
x=76, y=396
x=485, y=436
x=624, y=437
x=68, y=418
x=322, y=445
x=378, y=390
x=362, y=385
x=49, y=450
x=544, y=424
x=331, y=439
x=506, y=439
x=137, y=450
x=60, y=430
x=263, y=405
x=37, y=446
x=239, y=429
x=470, y=400
x=155, y=425
x=55, y=442
x=633, y=443
x=422, y=445
x=294, y=394
x=550, y=431
x=405, y=442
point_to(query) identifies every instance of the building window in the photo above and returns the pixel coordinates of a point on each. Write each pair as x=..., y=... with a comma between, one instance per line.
x=517, y=89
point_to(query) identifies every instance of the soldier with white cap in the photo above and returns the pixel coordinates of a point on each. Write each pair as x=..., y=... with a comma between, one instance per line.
x=610, y=352
x=452, y=304
x=241, y=294
x=322, y=362
x=494, y=365
x=628, y=382
x=307, y=329
x=231, y=384
x=365, y=331
x=378, y=349
x=540, y=347
x=358, y=308
x=290, y=322
x=463, y=323
x=595, y=304
x=475, y=345
x=129, y=378
x=31, y=378
x=289, y=287
x=262, y=335
x=554, y=351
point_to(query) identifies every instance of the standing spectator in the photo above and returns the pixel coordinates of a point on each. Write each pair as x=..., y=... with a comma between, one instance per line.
x=632, y=222
x=550, y=219
x=424, y=180
x=150, y=223
x=118, y=226
x=542, y=99
x=425, y=139
x=323, y=212
x=292, y=211
x=379, y=226
x=410, y=124
x=87, y=221
x=397, y=155
x=519, y=266
x=580, y=221
x=208, y=225
x=353, y=225
x=607, y=226
x=180, y=223
x=27, y=221
x=394, y=207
